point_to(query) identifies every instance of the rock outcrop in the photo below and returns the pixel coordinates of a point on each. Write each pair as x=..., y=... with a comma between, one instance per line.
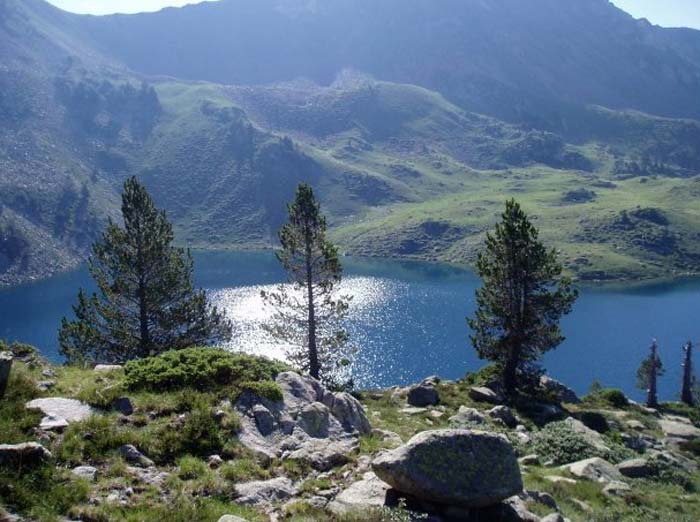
x=484, y=394
x=558, y=390
x=60, y=412
x=453, y=467
x=310, y=423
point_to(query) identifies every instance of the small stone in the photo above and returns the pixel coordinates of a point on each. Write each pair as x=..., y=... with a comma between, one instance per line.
x=558, y=479
x=583, y=506
x=423, y=394
x=88, y=473
x=134, y=456
x=484, y=394
x=414, y=410
x=467, y=415
x=215, y=461
x=231, y=518
x=635, y=425
x=504, y=414
x=616, y=489
x=123, y=405
x=52, y=423
x=595, y=469
x=529, y=460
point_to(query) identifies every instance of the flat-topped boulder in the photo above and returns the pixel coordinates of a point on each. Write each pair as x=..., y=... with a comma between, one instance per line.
x=635, y=468
x=70, y=410
x=484, y=394
x=453, y=467
x=675, y=427
x=370, y=492
x=264, y=491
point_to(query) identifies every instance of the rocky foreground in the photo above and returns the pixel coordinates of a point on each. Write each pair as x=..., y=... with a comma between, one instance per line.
x=100, y=445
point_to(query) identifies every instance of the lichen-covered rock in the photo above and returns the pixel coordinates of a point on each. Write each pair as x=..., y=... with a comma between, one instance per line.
x=314, y=419
x=592, y=437
x=323, y=454
x=264, y=491
x=264, y=420
x=24, y=454
x=616, y=489
x=59, y=412
x=595, y=469
x=675, y=427
x=349, y=412
x=456, y=467
x=362, y=495
x=88, y=473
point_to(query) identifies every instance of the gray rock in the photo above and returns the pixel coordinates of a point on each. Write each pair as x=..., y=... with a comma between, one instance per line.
x=24, y=454
x=635, y=468
x=504, y=414
x=458, y=467
x=106, y=368
x=298, y=391
x=349, y=412
x=393, y=439
x=558, y=390
x=231, y=518
x=529, y=460
x=593, y=438
x=616, y=489
x=484, y=394
x=60, y=409
x=264, y=420
x=554, y=517
x=324, y=454
x=678, y=428
x=544, y=498
x=51, y=423
x=314, y=419
x=634, y=424
x=88, y=473
x=557, y=479
x=134, y=456
x=360, y=496
x=467, y=416
x=215, y=461
x=148, y=476
x=123, y=405
x=5, y=368
x=423, y=394
x=595, y=469
x=264, y=491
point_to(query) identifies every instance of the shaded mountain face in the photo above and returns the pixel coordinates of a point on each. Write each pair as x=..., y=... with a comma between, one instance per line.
x=414, y=122
x=534, y=61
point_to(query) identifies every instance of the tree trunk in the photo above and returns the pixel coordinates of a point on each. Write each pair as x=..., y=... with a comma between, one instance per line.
x=687, y=389
x=510, y=374
x=651, y=392
x=145, y=337
x=314, y=366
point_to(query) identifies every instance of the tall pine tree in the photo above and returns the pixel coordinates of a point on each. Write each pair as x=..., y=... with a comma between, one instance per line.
x=522, y=299
x=308, y=312
x=648, y=373
x=146, y=303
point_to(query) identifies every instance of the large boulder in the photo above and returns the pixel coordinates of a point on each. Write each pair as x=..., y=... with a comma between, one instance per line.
x=558, y=390
x=23, y=455
x=675, y=427
x=5, y=367
x=592, y=437
x=455, y=467
x=595, y=469
x=423, y=394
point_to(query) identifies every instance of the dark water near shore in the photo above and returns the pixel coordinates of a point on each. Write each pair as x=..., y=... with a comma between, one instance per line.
x=408, y=320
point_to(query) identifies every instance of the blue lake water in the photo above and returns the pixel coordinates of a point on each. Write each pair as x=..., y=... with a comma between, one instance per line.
x=408, y=320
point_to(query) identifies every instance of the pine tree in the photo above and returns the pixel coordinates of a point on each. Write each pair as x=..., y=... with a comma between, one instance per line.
x=688, y=377
x=309, y=315
x=649, y=371
x=146, y=303
x=522, y=299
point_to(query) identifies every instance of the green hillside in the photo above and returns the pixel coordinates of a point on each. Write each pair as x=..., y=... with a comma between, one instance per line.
x=401, y=170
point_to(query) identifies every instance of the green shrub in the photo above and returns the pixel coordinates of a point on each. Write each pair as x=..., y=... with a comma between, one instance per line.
x=199, y=368
x=559, y=443
x=267, y=389
x=190, y=468
x=608, y=396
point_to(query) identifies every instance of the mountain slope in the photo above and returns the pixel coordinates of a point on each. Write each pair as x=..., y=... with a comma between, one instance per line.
x=536, y=62
x=401, y=169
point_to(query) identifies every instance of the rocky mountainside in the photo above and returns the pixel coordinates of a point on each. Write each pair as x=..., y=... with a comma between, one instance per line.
x=411, y=157
x=190, y=438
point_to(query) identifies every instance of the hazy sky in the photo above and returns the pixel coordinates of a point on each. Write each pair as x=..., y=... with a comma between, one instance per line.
x=668, y=13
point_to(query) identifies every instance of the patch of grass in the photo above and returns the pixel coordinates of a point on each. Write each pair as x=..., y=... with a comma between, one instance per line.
x=266, y=389
x=42, y=494
x=16, y=421
x=244, y=470
x=93, y=440
x=190, y=468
